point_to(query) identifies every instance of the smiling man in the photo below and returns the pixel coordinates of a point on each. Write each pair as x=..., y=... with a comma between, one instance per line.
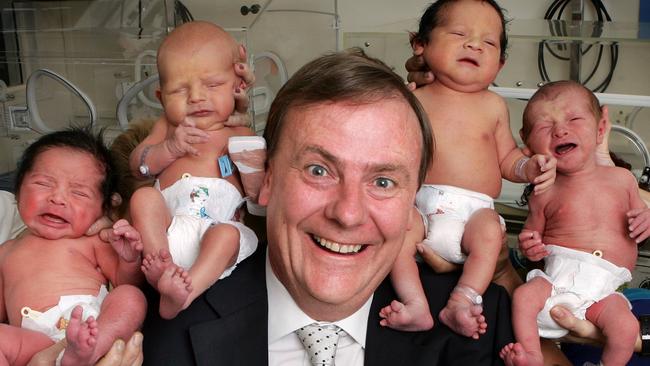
x=348, y=147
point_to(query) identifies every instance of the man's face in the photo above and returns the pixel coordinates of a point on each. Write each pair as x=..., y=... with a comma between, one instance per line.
x=339, y=192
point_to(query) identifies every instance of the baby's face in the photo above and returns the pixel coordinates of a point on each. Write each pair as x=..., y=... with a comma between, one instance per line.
x=464, y=50
x=60, y=196
x=566, y=127
x=199, y=86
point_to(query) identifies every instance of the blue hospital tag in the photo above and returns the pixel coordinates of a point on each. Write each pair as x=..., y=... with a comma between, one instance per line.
x=225, y=166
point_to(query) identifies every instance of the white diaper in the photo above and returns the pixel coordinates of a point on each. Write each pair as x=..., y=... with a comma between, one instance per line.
x=197, y=203
x=447, y=209
x=579, y=280
x=50, y=322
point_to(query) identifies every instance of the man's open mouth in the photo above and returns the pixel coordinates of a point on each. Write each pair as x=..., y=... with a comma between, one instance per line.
x=337, y=247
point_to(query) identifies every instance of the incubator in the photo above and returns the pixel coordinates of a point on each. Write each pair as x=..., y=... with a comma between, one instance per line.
x=94, y=61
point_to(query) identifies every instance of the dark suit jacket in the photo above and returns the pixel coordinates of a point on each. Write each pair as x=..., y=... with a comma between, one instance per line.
x=227, y=325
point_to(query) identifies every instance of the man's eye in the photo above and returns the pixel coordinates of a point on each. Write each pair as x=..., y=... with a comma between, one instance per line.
x=384, y=183
x=317, y=170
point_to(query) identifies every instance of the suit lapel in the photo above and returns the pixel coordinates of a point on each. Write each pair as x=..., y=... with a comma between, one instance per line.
x=239, y=336
x=385, y=346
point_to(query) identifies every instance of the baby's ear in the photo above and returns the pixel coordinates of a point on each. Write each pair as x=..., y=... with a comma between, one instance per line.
x=416, y=43
x=603, y=125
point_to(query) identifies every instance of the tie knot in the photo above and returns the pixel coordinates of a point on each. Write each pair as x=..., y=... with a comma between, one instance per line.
x=320, y=341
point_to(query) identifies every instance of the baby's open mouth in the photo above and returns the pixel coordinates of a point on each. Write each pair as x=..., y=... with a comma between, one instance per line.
x=469, y=60
x=564, y=148
x=337, y=247
x=54, y=218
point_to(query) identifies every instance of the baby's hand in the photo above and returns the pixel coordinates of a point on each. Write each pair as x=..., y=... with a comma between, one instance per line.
x=638, y=220
x=530, y=243
x=185, y=135
x=125, y=239
x=540, y=171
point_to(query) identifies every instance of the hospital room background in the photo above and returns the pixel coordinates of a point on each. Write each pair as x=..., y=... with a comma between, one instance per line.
x=82, y=61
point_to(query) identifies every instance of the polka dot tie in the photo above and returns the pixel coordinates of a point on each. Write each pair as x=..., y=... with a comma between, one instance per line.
x=320, y=341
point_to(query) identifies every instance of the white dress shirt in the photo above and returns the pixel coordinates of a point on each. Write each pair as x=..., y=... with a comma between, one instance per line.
x=285, y=317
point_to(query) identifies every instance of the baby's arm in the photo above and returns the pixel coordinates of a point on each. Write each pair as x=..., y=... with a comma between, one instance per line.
x=515, y=165
x=161, y=148
x=121, y=261
x=638, y=217
x=530, y=238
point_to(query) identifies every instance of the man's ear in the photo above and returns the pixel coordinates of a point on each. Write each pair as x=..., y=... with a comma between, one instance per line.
x=265, y=191
x=603, y=124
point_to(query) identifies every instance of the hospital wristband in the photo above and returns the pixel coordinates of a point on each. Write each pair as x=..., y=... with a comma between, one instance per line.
x=144, y=168
x=469, y=293
x=520, y=168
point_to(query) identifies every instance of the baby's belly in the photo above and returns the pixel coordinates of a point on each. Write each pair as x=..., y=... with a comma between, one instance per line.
x=615, y=249
x=43, y=296
x=485, y=180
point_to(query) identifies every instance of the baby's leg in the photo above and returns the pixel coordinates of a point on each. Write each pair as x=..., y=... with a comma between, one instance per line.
x=18, y=345
x=151, y=218
x=620, y=328
x=412, y=313
x=121, y=314
x=219, y=250
x=482, y=242
x=505, y=274
x=527, y=302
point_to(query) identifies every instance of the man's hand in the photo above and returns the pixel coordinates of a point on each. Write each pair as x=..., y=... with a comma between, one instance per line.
x=540, y=171
x=580, y=331
x=185, y=135
x=436, y=262
x=121, y=354
x=418, y=71
x=125, y=239
x=241, y=117
x=639, y=224
x=530, y=244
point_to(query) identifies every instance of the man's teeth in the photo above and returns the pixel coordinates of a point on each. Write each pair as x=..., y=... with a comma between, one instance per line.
x=336, y=247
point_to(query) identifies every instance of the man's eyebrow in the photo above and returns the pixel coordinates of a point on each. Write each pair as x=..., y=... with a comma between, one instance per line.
x=315, y=149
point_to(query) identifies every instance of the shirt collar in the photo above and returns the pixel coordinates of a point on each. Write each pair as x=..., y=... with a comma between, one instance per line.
x=285, y=316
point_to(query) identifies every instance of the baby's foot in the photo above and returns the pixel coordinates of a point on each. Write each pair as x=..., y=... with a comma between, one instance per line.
x=409, y=317
x=463, y=317
x=514, y=354
x=174, y=286
x=153, y=266
x=82, y=339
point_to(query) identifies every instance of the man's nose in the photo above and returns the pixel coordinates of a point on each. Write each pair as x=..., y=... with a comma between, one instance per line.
x=348, y=206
